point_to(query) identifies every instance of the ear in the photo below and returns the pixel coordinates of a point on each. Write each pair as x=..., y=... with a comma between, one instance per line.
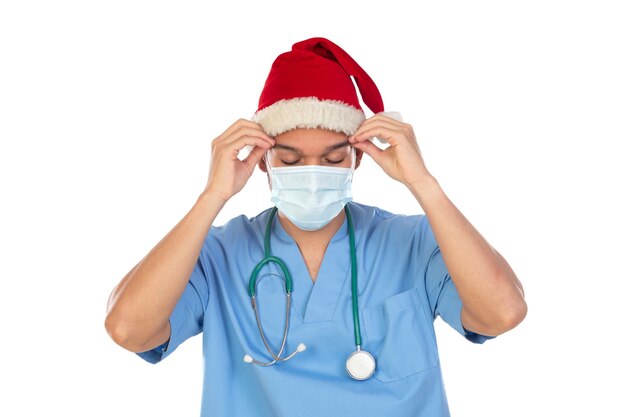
x=359, y=155
x=262, y=164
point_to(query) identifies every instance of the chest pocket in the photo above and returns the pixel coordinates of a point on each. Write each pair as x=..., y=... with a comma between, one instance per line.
x=399, y=335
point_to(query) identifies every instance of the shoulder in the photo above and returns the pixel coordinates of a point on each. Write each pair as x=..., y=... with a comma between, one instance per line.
x=239, y=229
x=404, y=230
x=375, y=217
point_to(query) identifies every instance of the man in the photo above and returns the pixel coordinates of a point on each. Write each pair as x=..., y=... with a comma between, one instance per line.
x=343, y=295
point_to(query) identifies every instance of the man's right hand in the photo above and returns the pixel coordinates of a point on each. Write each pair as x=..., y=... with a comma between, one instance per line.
x=228, y=174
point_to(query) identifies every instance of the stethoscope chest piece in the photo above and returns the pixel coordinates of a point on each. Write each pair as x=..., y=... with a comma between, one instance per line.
x=360, y=365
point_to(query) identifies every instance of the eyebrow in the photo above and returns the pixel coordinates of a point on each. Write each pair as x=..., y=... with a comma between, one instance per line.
x=327, y=150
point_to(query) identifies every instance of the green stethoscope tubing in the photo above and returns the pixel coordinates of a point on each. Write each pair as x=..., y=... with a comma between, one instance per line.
x=269, y=258
x=355, y=289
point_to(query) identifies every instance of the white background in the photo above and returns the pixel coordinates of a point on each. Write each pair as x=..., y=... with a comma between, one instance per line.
x=107, y=112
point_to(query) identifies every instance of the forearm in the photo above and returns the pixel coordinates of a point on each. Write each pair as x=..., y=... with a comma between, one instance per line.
x=140, y=305
x=492, y=296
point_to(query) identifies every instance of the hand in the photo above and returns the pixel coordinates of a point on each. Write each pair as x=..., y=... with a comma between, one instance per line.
x=228, y=174
x=402, y=160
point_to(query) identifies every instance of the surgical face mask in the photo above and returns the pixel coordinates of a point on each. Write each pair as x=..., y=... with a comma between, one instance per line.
x=311, y=195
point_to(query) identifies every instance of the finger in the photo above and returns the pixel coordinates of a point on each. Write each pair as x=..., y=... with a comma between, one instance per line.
x=389, y=124
x=254, y=157
x=381, y=118
x=244, y=141
x=239, y=124
x=228, y=142
x=233, y=148
x=245, y=123
x=233, y=127
x=369, y=148
x=381, y=132
x=248, y=131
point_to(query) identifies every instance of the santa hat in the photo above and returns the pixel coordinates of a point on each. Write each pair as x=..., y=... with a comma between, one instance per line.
x=310, y=87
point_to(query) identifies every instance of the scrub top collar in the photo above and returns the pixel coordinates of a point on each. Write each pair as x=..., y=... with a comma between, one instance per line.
x=316, y=302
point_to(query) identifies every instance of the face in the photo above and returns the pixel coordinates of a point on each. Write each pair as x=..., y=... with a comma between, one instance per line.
x=310, y=147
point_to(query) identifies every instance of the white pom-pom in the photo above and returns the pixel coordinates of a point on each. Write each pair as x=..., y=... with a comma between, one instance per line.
x=301, y=347
x=247, y=359
x=395, y=115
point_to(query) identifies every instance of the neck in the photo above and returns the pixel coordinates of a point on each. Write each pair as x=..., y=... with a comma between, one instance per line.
x=312, y=237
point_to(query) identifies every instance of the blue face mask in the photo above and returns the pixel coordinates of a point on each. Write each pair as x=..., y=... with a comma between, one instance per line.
x=311, y=195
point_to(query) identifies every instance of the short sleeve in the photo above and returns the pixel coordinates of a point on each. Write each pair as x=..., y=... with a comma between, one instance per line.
x=442, y=294
x=187, y=318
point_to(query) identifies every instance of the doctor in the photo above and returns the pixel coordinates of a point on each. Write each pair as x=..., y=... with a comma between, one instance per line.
x=345, y=295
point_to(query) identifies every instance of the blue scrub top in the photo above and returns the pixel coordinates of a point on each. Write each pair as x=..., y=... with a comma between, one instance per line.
x=403, y=285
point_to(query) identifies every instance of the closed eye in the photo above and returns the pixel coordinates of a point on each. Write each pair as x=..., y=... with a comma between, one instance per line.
x=330, y=161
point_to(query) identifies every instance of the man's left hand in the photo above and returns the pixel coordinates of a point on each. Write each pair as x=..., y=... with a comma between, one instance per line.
x=402, y=160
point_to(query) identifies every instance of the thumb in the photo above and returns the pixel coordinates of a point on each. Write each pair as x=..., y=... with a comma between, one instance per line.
x=369, y=148
x=254, y=157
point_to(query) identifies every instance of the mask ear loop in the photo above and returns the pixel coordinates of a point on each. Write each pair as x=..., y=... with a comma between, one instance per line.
x=267, y=159
x=353, y=162
x=268, y=165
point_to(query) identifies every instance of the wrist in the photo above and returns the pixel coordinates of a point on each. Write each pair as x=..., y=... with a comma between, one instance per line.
x=211, y=198
x=425, y=189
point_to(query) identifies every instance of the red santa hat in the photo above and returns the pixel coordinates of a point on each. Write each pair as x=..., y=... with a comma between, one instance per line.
x=310, y=87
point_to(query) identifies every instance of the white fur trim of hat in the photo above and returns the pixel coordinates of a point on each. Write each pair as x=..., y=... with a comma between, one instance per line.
x=309, y=113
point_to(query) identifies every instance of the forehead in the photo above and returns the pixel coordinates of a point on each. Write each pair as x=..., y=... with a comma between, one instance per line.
x=309, y=140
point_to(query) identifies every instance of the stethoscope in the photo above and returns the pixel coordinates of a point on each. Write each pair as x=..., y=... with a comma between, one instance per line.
x=360, y=364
